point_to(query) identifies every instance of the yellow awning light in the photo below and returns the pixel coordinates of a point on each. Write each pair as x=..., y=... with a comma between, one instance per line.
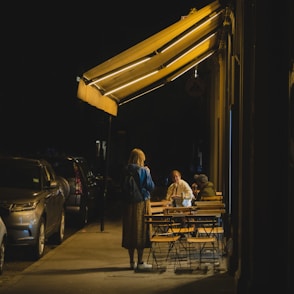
x=120, y=70
x=190, y=50
x=130, y=83
x=188, y=67
x=141, y=94
x=153, y=62
x=178, y=40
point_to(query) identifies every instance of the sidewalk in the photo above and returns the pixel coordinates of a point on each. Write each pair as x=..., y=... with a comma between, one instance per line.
x=91, y=261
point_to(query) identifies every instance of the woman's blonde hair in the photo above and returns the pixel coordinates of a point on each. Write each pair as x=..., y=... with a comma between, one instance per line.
x=137, y=156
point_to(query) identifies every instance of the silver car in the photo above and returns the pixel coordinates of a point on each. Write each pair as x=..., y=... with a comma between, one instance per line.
x=3, y=238
x=31, y=203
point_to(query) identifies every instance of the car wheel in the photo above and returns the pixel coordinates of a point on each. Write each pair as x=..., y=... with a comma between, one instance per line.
x=58, y=237
x=2, y=257
x=39, y=248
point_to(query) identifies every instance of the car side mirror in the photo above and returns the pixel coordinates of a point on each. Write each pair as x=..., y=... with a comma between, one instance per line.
x=52, y=184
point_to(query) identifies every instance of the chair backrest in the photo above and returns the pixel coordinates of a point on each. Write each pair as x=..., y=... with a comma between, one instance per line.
x=212, y=198
x=161, y=225
x=209, y=205
x=157, y=207
x=178, y=210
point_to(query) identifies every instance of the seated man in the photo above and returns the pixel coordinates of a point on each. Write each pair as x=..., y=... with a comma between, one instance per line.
x=206, y=188
x=179, y=193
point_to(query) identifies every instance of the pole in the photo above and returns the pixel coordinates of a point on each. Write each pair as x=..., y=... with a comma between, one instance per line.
x=107, y=164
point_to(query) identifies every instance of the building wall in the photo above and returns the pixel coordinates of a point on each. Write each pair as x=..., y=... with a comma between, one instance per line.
x=262, y=173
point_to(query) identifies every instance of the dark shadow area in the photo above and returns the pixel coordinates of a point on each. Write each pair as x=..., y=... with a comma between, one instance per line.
x=224, y=283
x=79, y=271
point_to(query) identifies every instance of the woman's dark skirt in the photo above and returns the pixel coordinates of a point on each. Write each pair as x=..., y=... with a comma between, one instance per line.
x=135, y=233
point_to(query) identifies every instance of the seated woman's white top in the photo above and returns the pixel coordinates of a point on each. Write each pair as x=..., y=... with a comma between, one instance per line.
x=180, y=193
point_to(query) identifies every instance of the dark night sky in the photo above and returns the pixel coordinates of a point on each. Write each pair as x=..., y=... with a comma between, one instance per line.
x=44, y=48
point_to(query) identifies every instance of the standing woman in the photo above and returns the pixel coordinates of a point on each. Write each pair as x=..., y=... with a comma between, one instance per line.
x=134, y=230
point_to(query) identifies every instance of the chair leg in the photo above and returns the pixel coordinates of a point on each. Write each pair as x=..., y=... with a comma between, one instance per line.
x=199, y=246
x=161, y=253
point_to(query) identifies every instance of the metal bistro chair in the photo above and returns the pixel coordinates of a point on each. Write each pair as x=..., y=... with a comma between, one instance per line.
x=203, y=248
x=184, y=232
x=214, y=229
x=217, y=232
x=164, y=243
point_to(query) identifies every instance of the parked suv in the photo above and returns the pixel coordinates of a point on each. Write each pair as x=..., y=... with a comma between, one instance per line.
x=31, y=203
x=82, y=195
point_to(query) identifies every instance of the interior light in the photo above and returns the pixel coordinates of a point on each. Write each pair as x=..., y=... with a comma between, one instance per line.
x=195, y=72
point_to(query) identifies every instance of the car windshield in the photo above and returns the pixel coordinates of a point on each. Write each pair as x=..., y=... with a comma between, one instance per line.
x=20, y=176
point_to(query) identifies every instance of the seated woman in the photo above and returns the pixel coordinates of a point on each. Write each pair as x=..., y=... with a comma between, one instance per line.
x=206, y=188
x=179, y=192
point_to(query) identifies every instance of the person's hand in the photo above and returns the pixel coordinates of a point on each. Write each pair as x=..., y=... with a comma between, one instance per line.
x=175, y=197
x=166, y=202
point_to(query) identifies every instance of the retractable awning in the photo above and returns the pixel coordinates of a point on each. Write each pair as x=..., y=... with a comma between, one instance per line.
x=155, y=61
